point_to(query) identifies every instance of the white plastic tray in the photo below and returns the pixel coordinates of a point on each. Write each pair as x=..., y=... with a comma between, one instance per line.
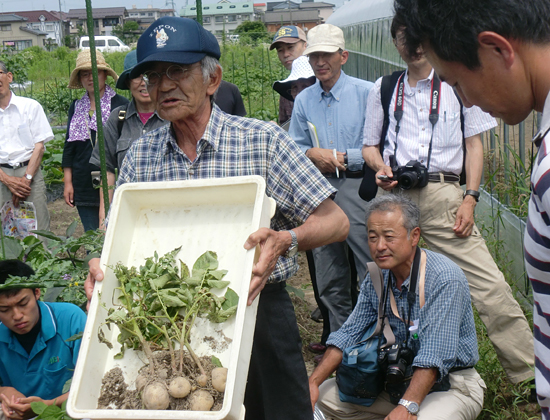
x=202, y=215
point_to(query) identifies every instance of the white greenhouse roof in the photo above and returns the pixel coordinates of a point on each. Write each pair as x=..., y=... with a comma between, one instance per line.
x=357, y=11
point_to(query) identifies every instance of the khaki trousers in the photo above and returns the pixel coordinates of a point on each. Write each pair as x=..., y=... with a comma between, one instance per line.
x=37, y=196
x=506, y=325
x=463, y=401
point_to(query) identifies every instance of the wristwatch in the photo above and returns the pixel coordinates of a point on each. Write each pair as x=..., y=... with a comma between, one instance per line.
x=293, y=248
x=28, y=176
x=473, y=193
x=411, y=406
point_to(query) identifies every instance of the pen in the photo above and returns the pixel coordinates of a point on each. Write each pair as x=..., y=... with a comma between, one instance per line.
x=337, y=171
x=445, y=116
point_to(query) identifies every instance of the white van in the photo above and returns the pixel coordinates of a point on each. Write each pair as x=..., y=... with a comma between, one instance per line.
x=104, y=43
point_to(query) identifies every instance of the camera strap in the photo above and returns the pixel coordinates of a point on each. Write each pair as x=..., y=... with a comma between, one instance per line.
x=434, y=110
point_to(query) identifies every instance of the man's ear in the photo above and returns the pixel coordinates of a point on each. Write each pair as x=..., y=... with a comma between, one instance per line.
x=215, y=80
x=37, y=293
x=345, y=56
x=497, y=46
x=415, y=236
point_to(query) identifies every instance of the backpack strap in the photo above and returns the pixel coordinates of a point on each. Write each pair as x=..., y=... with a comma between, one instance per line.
x=377, y=280
x=121, y=119
x=463, y=173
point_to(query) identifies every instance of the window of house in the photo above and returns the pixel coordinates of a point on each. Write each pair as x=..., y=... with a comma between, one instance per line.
x=246, y=17
x=206, y=7
x=219, y=19
x=206, y=19
x=110, y=21
x=5, y=28
x=232, y=18
x=49, y=26
x=150, y=14
x=245, y=5
x=232, y=6
x=219, y=7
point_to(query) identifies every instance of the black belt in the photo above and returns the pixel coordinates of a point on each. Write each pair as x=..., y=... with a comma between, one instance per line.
x=274, y=287
x=19, y=165
x=346, y=174
x=447, y=177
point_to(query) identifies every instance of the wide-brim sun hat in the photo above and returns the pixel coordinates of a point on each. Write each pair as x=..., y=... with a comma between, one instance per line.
x=174, y=40
x=325, y=38
x=129, y=62
x=301, y=69
x=84, y=62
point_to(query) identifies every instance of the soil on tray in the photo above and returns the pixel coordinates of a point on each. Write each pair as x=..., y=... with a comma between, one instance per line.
x=117, y=394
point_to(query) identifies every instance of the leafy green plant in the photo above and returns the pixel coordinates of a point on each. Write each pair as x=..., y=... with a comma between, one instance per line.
x=50, y=412
x=158, y=306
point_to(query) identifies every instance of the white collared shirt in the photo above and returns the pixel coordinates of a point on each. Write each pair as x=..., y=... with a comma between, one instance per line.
x=414, y=136
x=22, y=124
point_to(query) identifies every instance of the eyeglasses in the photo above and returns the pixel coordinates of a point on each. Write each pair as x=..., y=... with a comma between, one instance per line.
x=174, y=73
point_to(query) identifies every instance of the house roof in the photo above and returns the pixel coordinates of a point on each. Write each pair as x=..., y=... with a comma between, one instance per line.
x=278, y=16
x=34, y=15
x=59, y=15
x=316, y=5
x=97, y=13
x=11, y=17
x=219, y=9
x=32, y=31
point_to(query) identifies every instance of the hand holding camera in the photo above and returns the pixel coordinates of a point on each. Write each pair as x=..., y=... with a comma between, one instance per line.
x=411, y=175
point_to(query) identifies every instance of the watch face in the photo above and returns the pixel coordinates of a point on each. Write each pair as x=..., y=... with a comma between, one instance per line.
x=413, y=408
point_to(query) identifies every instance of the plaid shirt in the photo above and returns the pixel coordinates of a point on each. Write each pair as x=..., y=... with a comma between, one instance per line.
x=446, y=330
x=236, y=146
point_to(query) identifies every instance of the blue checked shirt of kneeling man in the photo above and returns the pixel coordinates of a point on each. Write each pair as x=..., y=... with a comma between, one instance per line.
x=237, y=146
x=446, y=332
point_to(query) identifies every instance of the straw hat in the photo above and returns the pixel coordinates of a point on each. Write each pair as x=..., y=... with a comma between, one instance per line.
x=301, y=69
x=84, y=62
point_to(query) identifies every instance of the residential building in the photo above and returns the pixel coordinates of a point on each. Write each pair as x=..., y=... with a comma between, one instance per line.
x=105, y=19
x=306, y=14
x=14, y=33
x=222, y=16
x=144, y=17
x=44, y=22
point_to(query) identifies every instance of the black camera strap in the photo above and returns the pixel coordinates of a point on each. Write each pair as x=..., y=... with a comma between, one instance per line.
x=434, y=110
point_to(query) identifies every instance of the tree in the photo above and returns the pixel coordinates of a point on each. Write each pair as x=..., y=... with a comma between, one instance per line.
x=129, y=32
x=252, y=32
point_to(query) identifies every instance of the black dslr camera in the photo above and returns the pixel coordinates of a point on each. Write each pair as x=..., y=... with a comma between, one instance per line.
x=395, y=360
x=411, y=175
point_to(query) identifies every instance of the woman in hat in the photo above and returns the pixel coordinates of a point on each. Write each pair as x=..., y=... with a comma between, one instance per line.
x=81, y=135
x=125, y=125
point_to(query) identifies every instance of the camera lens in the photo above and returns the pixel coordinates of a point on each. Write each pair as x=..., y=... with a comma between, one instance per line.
x=408, y=180
x=96, y=182
x=395, y=374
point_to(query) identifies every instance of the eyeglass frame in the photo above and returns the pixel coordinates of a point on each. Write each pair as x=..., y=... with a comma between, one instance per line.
x=146, y=76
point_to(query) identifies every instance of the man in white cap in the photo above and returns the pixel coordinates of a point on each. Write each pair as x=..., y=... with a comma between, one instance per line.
x=290, y=43
x=335, y=107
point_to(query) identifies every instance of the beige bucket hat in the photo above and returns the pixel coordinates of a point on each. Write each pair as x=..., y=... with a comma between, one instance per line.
x=84, y=62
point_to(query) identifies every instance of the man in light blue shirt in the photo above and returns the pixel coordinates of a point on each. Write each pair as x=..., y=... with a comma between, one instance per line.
x=335, y=106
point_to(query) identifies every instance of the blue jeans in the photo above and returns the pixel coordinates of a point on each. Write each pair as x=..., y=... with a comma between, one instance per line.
x=89, y=215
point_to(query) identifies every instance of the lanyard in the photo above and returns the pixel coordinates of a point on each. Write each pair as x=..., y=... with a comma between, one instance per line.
x=434, y=110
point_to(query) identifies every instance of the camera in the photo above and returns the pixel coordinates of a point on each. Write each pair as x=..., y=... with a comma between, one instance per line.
x=396, y=360
x=96, y=179
x=411, y=175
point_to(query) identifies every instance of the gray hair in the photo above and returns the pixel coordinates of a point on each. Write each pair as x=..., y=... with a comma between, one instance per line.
x=208, y=67
x=392, y=202
x=3, y=67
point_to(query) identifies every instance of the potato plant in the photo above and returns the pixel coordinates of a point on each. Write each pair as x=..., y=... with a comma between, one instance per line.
x=156, y=309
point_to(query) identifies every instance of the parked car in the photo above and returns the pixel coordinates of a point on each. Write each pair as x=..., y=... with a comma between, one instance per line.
x=104, y=43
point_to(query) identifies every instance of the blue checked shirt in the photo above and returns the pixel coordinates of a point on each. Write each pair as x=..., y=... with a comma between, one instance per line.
x=446, y=331
x=236, y=146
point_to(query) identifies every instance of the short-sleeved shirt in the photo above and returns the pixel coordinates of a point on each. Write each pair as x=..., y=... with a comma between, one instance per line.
x=338, y=116
x=132, y=129
x=22, y=124
x=236, y=146
x=446, y=330
x=52, y=360
x=416, y=130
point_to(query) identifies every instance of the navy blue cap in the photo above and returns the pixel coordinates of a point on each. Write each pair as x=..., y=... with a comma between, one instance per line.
x=129, y=62
x=174, y=40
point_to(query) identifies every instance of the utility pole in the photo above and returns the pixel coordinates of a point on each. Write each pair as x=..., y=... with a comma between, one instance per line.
x=199, y=11
x=290, y=11
x=60, y=25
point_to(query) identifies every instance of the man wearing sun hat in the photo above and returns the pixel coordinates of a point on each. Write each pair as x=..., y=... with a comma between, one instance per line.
x=179, y=60
x=326, y=124
x=290, y=43
x=24, y=130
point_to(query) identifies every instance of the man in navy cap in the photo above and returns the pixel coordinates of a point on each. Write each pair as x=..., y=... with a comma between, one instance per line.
x=179, y=60
x=290, y=43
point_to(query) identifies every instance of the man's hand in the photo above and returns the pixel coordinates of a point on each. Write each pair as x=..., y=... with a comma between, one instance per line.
x=325, y=161
x=272, y=245
x=464, y=223
x=19, y=186
x=68, y=193
x=16, y=406
x=386, y=185
x=95, y=273
x=400, y=413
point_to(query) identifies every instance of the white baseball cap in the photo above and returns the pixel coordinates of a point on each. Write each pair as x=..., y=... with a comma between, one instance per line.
x=325, y=38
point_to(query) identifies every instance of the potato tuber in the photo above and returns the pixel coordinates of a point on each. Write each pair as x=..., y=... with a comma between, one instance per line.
x=201, y=401
x=202, y=380
x=141, y=381
x=179, y=387
x=155, y=397
x=219, y=378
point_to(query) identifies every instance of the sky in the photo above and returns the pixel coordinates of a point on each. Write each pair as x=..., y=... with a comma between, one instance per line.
x=24, y=5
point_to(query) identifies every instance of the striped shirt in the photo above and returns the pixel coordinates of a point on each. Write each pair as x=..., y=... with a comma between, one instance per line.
x=237, y=146
x=537, y=259
x=416, y=129
x=446, y=330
